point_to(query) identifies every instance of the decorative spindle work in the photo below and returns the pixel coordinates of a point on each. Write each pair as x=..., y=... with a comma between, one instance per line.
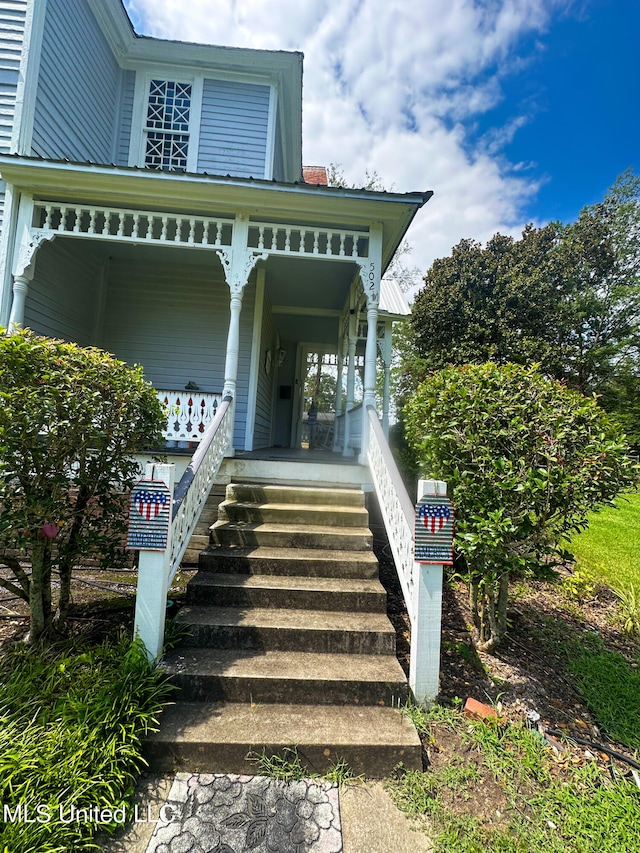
x=135, y=226
x=189, y=413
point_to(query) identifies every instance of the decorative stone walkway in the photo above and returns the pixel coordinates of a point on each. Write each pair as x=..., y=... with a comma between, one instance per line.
x=228, y=813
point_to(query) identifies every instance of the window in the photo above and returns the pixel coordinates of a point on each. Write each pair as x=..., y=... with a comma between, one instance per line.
x=167, y=125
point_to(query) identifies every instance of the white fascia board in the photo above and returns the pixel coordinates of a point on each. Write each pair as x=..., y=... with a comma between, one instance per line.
x=115, y=25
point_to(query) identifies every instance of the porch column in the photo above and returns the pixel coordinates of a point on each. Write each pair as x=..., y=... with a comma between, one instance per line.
x=339, y=396
x=351, y=381
x=370, y=273
x=237, y=263
x=20, y=291
x=233, y=345
x=387, y=355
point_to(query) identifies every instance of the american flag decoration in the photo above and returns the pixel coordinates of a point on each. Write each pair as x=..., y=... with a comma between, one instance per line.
x=434, y=530
x=149, y=516
x=150, y=502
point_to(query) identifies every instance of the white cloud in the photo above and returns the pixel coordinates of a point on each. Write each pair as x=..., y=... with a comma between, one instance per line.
x=388, y=85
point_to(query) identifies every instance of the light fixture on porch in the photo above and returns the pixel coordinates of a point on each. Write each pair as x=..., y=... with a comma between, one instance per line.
x=281, y=355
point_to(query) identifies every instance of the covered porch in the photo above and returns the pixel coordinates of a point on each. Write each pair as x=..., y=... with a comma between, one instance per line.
x=228, y=296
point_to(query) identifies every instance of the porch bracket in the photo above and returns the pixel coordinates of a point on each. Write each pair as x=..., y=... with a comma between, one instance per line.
x=23, y=272
x=27, y=251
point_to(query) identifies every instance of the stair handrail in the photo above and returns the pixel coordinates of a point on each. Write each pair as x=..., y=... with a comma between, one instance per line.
x=396, y=506
x=192, y=491
x=421, y=582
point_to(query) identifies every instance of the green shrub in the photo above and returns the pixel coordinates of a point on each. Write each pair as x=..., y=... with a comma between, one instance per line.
x=71, y=419
x=525, y=458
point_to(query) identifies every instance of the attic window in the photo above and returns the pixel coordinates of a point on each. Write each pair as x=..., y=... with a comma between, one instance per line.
x=167, y=125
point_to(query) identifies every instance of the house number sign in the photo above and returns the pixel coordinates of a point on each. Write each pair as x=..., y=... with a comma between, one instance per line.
x=149, y=516
x=434, y=530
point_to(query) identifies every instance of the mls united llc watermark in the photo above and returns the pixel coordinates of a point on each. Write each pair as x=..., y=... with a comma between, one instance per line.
x=45, y=813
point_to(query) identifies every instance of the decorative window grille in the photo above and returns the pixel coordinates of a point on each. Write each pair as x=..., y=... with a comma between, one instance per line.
x=167, y=126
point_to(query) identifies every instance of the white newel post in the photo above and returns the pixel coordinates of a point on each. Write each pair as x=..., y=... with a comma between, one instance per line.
x=153, y=577
x=424, y=668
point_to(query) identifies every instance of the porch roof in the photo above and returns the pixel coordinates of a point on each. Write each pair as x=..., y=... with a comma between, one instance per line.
x=225, y=195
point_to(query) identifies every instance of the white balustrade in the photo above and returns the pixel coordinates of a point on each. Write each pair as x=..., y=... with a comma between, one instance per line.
x=396, y=508
x=194, y=487
x=289, y=239
x=200, y=232
x=136, y=226
x=157, y=569
x=189, y=413
x=421, y=584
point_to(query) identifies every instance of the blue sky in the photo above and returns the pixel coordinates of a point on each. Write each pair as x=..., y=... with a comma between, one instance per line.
x=510, y=110
x=580, y=91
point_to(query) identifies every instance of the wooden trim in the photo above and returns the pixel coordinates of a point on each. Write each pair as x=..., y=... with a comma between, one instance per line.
x=269, y=158
x=25, y=103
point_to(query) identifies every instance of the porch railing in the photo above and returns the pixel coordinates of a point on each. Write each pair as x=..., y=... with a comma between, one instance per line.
x=348, y=428
x=421, y=584
x=157, y=569
x=189, y=413
x=195, y=484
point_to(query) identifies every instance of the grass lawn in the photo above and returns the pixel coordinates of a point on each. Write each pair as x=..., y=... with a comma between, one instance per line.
x=609, y=551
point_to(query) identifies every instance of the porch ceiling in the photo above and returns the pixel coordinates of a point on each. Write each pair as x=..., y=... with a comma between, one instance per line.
x=307, y=283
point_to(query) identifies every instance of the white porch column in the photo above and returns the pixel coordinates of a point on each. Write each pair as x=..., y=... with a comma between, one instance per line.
x=237, y=263
x=20, y=291
x=370, y=273
x=339, y=395
x=233, y=345
x=351, y=382
x=387, y=355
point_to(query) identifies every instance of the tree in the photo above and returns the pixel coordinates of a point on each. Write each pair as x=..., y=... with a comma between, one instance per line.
x=70, y=420
x=564, y=297
x=526, y=458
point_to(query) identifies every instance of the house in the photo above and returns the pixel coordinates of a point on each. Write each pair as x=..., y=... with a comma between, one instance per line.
x=154, y=205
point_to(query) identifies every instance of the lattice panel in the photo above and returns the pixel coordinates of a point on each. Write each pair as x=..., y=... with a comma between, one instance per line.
x=167, y=126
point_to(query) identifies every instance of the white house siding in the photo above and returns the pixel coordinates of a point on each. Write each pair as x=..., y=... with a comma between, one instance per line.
x=63, y=297
x=266, y=382
x=234, y=123
x=12, y=18
x=126, y=114
x=173, y=319
x=76, y=111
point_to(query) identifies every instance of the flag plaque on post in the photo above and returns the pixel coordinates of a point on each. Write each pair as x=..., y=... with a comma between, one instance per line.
x=434, y=530
x=149, y=516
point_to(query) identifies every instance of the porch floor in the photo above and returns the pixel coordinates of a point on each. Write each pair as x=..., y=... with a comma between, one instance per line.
x=295, y=466
x=298, y=454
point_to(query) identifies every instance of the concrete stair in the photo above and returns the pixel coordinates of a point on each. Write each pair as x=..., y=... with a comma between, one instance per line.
x=287, y=641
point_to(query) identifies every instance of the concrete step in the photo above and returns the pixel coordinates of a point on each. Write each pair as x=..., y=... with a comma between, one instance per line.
x=260, y=494
x=292, y=536
x=237, y=512
x=309, y=562
x=287, y=630
x=288, y=591
x=216, y=737
x=232, y=675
